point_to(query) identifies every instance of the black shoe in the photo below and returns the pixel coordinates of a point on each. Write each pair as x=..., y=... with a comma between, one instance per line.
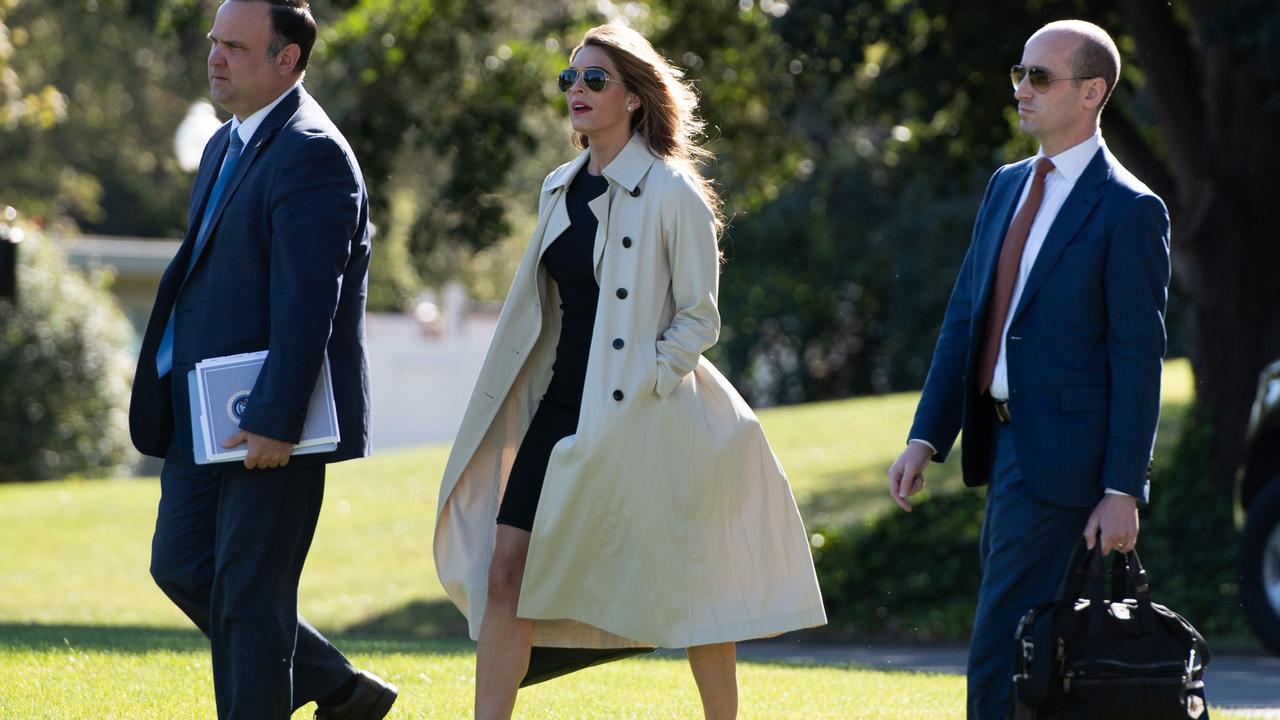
x=371, y=699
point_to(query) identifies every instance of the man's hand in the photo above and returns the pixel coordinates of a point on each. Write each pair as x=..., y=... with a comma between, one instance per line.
x=1117, y=517
x=264, y=452
x=906, y=477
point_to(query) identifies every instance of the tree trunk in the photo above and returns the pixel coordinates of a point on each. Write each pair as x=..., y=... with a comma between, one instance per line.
x=1218, y=107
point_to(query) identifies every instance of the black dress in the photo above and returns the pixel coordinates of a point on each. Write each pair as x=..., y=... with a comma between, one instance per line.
x=570, y=260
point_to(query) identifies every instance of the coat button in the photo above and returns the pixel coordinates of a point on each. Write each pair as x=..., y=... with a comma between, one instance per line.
x=617, y=395
x=622, y=293
x=636, y=192
x=618, y=343
x=626, y=242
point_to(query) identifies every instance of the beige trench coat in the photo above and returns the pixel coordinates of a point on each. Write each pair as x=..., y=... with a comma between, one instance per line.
x=666, y=520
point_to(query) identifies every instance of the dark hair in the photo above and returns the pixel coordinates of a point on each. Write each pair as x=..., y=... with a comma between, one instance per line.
x=291, y=24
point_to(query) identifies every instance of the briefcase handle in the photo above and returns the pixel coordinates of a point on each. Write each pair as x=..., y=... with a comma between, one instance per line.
x=1086, y=566
x=1085, y=563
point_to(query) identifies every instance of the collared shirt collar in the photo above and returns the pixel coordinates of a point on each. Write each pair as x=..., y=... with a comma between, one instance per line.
x=250, y=124
x=627, y=169
x=1072, y=161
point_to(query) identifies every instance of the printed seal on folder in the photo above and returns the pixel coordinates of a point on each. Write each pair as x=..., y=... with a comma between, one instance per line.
x=221, y=390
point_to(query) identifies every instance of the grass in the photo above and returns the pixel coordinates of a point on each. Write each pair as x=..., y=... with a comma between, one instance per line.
x=97, y=679
x=85, y=634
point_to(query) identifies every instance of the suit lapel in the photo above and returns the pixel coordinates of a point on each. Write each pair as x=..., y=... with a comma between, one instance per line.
x=1075, y=210
x=252, y=149
x=204, y=181
x=1002, y=209
x=175, y=275
x=247, y=156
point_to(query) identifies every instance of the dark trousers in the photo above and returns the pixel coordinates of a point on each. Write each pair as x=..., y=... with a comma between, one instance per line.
x=228, y=549
x=1025, y=546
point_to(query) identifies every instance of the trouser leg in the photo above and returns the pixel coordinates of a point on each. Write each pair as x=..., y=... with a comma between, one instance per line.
x=1026, y=544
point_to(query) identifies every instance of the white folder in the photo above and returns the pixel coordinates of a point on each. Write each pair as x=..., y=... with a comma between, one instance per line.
x=220, y=388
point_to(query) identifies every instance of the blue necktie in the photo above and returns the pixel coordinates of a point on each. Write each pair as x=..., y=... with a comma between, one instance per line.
x=164, y=354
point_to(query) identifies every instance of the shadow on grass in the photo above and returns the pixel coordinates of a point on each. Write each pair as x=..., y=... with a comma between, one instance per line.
x=421, y=619
x=141, y=639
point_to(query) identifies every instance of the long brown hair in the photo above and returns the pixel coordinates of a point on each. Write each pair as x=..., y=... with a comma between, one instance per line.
x=667, y=119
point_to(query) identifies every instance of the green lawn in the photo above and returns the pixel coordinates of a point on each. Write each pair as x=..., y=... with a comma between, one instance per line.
x=85, y=634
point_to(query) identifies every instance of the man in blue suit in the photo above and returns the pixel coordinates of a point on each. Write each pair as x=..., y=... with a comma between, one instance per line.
x=1050, y=352
x=276, y=258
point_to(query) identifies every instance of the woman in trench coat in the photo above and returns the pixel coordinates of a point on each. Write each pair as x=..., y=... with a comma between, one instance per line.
x=663, y=517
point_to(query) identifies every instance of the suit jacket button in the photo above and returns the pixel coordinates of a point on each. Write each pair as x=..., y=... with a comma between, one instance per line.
x=617, y=395
x=636, y=192
x=618, y=343
x=622, y=293
x=626, y=242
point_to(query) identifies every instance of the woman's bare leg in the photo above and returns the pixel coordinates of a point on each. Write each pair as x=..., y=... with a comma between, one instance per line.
x=715, y=671
x=502, y=658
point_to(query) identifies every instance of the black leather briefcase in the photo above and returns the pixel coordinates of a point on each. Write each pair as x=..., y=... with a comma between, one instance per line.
x=1087, y=657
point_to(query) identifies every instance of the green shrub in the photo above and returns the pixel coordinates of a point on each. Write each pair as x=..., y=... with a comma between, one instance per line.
x=65, y=371
x=1188, y=539
x=916, y=576
x=905, y=576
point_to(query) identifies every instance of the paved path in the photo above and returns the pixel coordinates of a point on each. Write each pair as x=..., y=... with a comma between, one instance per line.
x=1232, y=681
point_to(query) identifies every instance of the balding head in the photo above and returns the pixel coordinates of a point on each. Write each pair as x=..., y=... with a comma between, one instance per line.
x=1095, y=53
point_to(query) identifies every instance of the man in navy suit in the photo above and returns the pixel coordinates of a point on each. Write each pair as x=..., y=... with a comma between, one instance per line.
x=276, y=258
x=1050, y=352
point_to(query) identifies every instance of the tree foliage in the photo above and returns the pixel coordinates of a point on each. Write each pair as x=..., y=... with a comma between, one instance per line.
x=852, y=138
x=102, y=95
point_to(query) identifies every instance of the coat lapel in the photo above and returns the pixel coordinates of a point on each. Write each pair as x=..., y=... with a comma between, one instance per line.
x=600, y=208
x=558, y=220
x=625, y=173
x=1075, y=210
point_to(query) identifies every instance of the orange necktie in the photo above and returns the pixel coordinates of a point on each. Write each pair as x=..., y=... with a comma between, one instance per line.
x=1007, y=275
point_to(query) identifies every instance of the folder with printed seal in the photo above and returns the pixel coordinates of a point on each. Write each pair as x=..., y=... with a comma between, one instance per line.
x=220, y=389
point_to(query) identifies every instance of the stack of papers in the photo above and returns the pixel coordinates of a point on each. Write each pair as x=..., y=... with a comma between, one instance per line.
x=220, y=389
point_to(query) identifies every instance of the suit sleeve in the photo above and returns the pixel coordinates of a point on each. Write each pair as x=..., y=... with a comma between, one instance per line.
x=1136, y=285
x=941, y=410
x=315, y=211
x=689, y=232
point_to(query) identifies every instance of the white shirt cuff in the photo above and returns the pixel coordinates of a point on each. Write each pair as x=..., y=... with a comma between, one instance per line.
x=1117, y=492
x=926, y=443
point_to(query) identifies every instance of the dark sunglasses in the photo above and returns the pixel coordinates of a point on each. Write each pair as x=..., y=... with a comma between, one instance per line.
x=1040, y=78
x=594, y=78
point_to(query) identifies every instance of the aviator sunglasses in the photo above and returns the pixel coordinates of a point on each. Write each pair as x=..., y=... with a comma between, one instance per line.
x=1040, y=78
x=594, y=78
